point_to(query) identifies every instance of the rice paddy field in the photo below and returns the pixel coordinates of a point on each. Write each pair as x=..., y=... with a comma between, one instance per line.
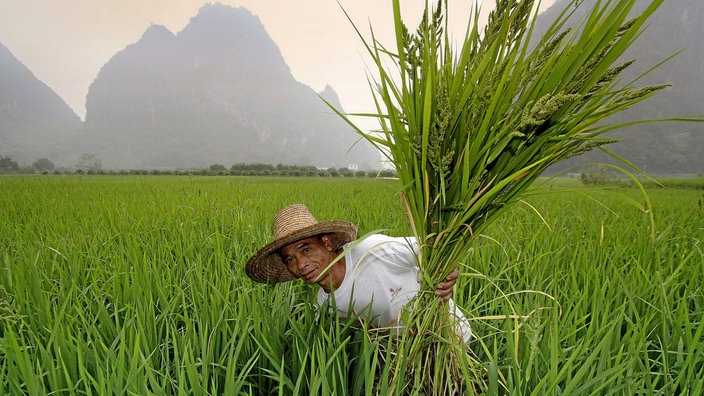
x=135, y=285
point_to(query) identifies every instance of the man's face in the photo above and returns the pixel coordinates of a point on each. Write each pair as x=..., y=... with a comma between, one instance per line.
x=309, y=258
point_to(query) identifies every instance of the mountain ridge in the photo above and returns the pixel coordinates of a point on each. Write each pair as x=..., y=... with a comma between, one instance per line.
x=34, y=120
x=220, y=91
x=657, y=147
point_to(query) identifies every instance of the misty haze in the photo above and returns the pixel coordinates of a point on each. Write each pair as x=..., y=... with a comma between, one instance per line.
x=219, y=91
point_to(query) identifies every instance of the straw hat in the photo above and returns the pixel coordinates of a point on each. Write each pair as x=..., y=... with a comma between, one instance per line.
x=291, y=224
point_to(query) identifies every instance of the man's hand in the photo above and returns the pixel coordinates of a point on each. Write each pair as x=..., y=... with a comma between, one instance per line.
x=444, y=289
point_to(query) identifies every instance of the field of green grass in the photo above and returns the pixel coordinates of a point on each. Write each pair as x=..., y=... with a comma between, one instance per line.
x=135, y=285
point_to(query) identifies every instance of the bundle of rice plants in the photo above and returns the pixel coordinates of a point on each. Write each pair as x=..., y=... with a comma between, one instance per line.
x=469, y=128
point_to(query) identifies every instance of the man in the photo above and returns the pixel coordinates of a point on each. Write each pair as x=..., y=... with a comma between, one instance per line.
x=377, y=275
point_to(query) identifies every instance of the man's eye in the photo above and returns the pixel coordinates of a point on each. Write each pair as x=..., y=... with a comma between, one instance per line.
x=306, y=250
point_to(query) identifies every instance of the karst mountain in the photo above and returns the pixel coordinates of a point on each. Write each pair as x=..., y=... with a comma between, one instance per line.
x=220, y=91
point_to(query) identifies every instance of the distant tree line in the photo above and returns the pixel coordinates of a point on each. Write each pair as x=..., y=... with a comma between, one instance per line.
x=88, y=164
x=9, y=165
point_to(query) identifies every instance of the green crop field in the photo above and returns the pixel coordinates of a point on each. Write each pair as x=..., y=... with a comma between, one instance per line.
x=134, y=285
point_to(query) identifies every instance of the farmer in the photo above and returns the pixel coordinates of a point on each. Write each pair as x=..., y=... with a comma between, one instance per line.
x=376, y=276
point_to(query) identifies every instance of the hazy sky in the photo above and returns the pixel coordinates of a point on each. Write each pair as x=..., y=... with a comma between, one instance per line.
x=66, y=42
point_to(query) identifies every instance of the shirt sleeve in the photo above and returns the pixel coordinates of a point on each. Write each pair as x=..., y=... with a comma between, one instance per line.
x=462, y=326
x=406, y=249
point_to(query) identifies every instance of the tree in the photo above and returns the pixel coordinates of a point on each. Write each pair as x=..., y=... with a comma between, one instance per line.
x=43, y=165
x=8, y=165
x=89, y=162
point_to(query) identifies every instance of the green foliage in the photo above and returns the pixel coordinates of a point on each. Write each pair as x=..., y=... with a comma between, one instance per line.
x=601, y=176
x=470, y=127
x=8, y=165
x=695, y=183
x=89, y=162
x=134, y=285
x=43, y=165
x=239, y=169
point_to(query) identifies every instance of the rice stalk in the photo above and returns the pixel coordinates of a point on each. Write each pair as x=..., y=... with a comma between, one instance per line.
x=469, y=129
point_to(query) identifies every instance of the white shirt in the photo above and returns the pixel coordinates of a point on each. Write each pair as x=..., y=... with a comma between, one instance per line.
x=381, y=277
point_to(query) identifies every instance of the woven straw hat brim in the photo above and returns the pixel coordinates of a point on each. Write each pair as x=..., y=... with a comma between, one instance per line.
x=265, y=266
